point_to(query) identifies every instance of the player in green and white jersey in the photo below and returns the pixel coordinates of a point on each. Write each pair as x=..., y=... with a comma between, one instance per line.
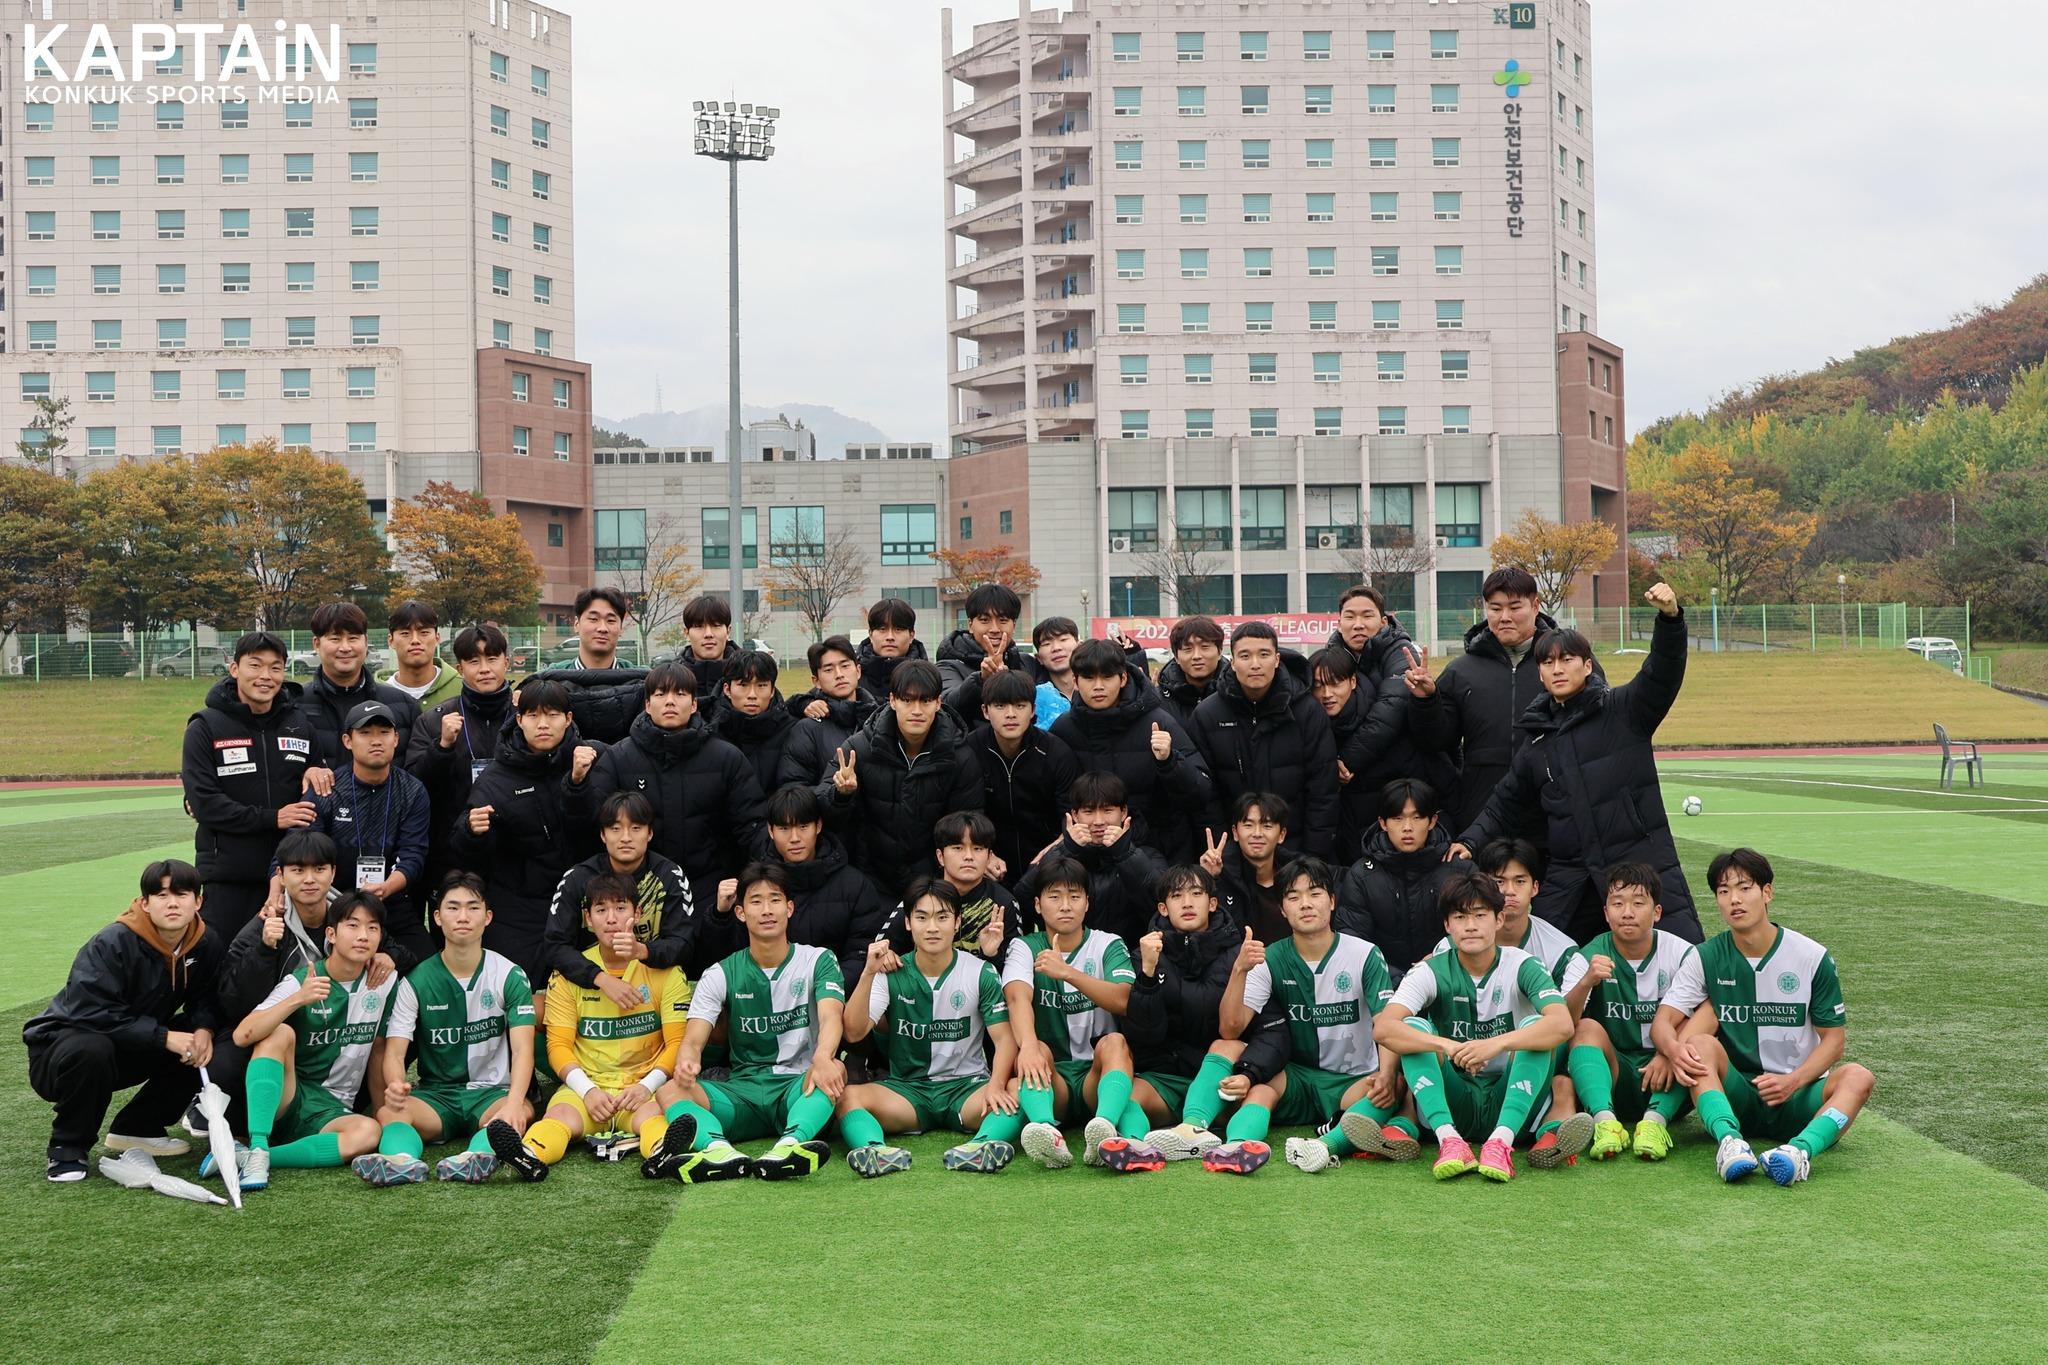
x=930, y=1015
x=1306, y=1016
x=1067, y=985
x=471, y=1011
x=783, y=1006
x=309, y=1047
x=1499, y=1018
x=1773, y=1063
x=1616, y=1071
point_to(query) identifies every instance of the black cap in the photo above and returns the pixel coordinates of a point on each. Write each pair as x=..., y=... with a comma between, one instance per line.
x=367, y=713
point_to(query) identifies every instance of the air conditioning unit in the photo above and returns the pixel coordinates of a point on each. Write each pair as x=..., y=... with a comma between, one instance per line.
x=1119, y=545
x=1326, y=541
x=1443, y=542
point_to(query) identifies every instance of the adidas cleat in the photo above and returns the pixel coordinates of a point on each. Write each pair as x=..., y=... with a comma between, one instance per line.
x=466, y=1168
x=1561, y=1145
x=524, y=1161
x=668, y=1154
x=987, y=1157
x=1788, y=1165
x=1610, y=1139
x=1183, y=1142
x=1734, y=1160
x=877, y=1159
x=1453, y=1158
x=382, y=1169
x=1098, y=1131
x=1376, y=1139
x=1497, y=1160
x=1123, y=1155
x=1309, y=1155
x=1047, y=1146
x=720, y=1161
x=1237, y=1158
x=789, y=1159
x=252, y=1164
x=1652, y=1140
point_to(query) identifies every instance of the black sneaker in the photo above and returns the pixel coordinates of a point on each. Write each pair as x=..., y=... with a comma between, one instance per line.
x=194, y=1121
x=514, y=1153
x=675, y=1144
x=788, y=1160
x=65, y=1171
x=1329, y=1125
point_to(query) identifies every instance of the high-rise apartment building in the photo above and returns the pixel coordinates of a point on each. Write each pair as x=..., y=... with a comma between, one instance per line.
x=366, y=249
x=1268, y=294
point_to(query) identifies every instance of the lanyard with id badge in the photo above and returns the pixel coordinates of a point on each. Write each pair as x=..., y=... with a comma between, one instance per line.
x=372, y=868
x=476, y=765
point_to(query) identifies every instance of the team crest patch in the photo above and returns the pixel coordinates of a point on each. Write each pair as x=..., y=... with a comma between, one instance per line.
x=1496, y=995
x=1787, y=982
x=488, y=1001
x=643, y=992
x=370, y=1001
x=1662, y=980
x=802, y=985
x=1343, y=981
x=959, y=999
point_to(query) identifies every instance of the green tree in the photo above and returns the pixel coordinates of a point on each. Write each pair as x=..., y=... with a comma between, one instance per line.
x=48, y=432
x=300, y=528
x=456, y=551
x=41, y=552
x=159, y=549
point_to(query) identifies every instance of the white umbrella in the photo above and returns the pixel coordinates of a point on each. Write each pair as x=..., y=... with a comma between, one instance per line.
x=185, y=1189
x=213, y=1102
x=137, y=1170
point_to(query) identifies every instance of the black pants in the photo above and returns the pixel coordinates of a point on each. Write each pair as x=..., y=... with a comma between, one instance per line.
x=230, y=905
x=78, y=1071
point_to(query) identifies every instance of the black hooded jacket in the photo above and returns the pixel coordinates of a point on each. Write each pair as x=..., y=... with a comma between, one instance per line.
x=667, y=922
x=960, y=656
x=1382, y=748
x=1169, y=800
x=877, y=669
x=709, y=673
x=1123, y=880
x=1280, y=744
x=887, y=822
x=239, y=770
x=1026, y=796
x=604, y=701
x=446, y=773
x=764, y=739
x=1357, y=804
x=807, y=757
x=1180, y=695
x=837, y=908
x=326, y=705
x=1172, y=1017
x=1390, y=898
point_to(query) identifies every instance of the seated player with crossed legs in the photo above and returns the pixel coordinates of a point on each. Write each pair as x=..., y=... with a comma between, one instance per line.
x=930, y=1015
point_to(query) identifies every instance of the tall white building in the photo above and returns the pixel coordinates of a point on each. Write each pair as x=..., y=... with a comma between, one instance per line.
x=370, y=255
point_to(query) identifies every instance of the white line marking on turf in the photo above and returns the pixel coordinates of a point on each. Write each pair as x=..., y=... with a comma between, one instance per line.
x=1859, y=786
x=1860, y=813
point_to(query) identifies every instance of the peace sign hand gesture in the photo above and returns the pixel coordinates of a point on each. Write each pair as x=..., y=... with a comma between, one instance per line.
x=843, y=779
x=1421, y=682
x=1212, y=853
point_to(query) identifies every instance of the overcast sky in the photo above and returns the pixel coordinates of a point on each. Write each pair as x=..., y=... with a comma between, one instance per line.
x=1778, y=184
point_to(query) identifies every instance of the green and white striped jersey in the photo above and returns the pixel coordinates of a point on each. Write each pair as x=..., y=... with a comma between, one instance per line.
x=335, y=1034
x=1461, y=1008
x=1067, y=1021
x=1770, y=1008
x=1626, y=1003
x=931, y=1028
x=774, y=1015
x=1329, y=1003
x=461, y=1024
x=1565, y=961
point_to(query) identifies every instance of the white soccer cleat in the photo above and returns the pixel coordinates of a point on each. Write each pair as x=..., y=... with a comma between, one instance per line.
x=1098, y=1131
x=159, y=1146
x=1788, y=1165
x=1734, y=1160
x=1183, y=1142
x=1309, y=1155
x=1047, y=1146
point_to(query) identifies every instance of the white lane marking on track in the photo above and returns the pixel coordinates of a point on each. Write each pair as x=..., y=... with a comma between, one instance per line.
x=1859, y=786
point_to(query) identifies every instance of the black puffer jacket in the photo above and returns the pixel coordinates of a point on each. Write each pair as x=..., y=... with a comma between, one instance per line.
x=326, y=706
x=239, y=770
x=1382, y=748
x=1588, y=777
x=667, y=924
x=1168, y=800
x=1474, y=718
x=807, y=759
x=960, y=656
x=1180, y=695
x=252, y=967
x=837, y=908
x=1123, y=881
x=1357, y=803
x=887, y=823
x=708, y=806
x=1026, y=796
x=604, y=701
x=532, y=841
x=447, y=773
x=1172, y=1020
x=876, y=670
x=1280, y=744
x=1390, y=898
x=763, y=739
x=709, y=673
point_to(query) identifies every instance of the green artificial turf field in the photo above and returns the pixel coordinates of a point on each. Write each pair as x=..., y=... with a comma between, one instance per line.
x=1919, y=1237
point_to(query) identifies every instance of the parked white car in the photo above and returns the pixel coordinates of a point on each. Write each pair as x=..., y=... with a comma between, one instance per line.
x=1938, y=649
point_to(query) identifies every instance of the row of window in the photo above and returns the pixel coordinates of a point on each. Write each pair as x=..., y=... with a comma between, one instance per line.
x=1262, y=594
x=1383, y=206
x=1331, y=516
x=1256, y=45
x=1192, y=101
x=501, y=337
x=171, y=224
x=104, y=443
x=1317, y=153
x=1136, y=424
x=365, y=277
x=909, y=533
x=299, y=169
x=1263, y=367
x=1320, y=261
x=1258, y=317
x=170, y=115
x=172, y=334
x=168, y=385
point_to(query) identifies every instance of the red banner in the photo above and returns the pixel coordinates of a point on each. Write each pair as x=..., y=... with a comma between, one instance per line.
x=1297, y=630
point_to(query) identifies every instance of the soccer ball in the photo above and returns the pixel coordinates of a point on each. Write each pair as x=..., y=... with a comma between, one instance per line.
x=1692, y=805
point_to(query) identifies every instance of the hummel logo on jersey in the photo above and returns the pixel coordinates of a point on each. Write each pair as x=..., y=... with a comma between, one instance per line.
x=905, y=1000
x=1287, y=981
x=522, y=791
x=743, y=995
x=437, y=1007
x=1460, y=1000
x=1722, y=981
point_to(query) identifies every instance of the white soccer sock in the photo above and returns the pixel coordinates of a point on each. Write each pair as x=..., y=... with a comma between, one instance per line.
x=1654, y=1117
x=1503, y=1133
x=1604, y=1116
x=1448, y=1130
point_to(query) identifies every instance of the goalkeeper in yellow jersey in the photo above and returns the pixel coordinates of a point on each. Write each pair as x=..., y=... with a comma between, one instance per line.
x=611, y=1058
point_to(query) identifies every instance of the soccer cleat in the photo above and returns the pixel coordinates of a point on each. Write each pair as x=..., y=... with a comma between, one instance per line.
x=1497, y=1160
x=467, y=1168
x=877, y=1159
x=159, y=1146
x=1734, y=1160
x=1652, y=1140
x=1183, y=1141
x=194, y=1122
x=524, y=1161
x=1453, y=1158
x=1237, y=1158
x=989, y=1157
x=1788, y=1165
x=790, y=1159
x=719, y=1161
x=253, y=1165
x=1309, y=1155
x=1047, y=1146
x=1098, y=1131
x=381, y=1169
x=64, y=1171
x=1610, y=1139
x=1123, y=1155
x=1561, y=1145
x=668, y=1154
x=1374, y=1139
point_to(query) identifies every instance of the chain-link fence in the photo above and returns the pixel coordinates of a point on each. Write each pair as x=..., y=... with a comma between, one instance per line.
x=176, y=654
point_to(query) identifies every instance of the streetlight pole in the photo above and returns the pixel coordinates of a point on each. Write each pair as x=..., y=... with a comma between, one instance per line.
x=732, y=134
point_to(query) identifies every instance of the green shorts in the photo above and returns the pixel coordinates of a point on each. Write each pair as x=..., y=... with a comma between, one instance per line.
x=313, y=1107
x=1631, y=1101
x=1774, y=1123
x=1475, y=1103
x=753, y=1104
x=937, y=1103
x=1312, y=1096
x=459, y=1107
x=1172, y=1089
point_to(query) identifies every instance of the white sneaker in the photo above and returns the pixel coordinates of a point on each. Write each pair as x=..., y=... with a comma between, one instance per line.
x=1309, y=1155
x=1098, y=1131
x=1047, y=1146
x=1183, y=1142
x=1788, y=1165
x=1734, y=1160
x=255, y=1166
x=162, y=1145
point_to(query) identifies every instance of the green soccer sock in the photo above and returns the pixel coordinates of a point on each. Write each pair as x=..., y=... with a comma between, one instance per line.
x=1664, y=1105
x=1335, y=1140
x=709, y=1129
x=808, y=1116
x=265, y=1087
x=1593, y=1081
x=1249, y=1124
x=480, y=1141
x=1716, y=1114
x=401, y=1139
x=1112, y=1093
x=859, y=1129
x=1204, y=1102
x=997, y=1127
x=1822, y=1131
x=1528, y=1078
x=1425, y=1075
x=1134, y=1122
x=1036, y=1101
x=308, y=1153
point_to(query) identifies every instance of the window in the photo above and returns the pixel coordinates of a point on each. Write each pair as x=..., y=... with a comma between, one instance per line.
x=1130, y=208
x=297, y=222
x=501, y=334
x=1379, y=45
x=1322, y=316
x=1262, y=518
x=362, y=167
x=298, y=277
x=1443, y=44
x=1315, y=46
x=562, y=446
x=522, y=387
x=1455, y=365
x=910, y=533
x=543, y=185
x=1379, y=152
x=172, y=63
x=501, y=281
x=1194, y=208
x=501, y=121
x=298, y=114
x=1130, y=156
x=1332, y=510
x=165, y=386
x=1127, y=101
x=1123, y=47
x=1450, y=260
x=298, y=168
x=106, y=170
x=1393, y=510
x=1258, y=208
x=99, y=442
x=42, y=336
x=106, y=279
x=234, y=168
x=1258, y=262
x=362, y=113
x=1251, y=47
x=500, y=68
x=1264, y=421
x=234, y=115
x=1194, y=155
x=1450, y=315
x=501, y=227
x=1201, y=421
x=170, y=279
x=1315, y=99
x=1133, y=369
x=1582, y=274
x=1386, y=260
x=106, y=118
x=1132, y=425
x=1327, y=367
x=1393, y=421
x=298, y=332
x=362, y=381
x=539, y=80
x=1192, y=101
x=230, y=384
x=42, y=170
x=170, y=116
x=1264, y=367
x=363, y=222
x=1258, y=317
x=1319, y=153
x=1187, y=47
x=1582, y=221
x=166, y=441
x=35, y=385
x=1253, y=99
x=295, y=383
x=1443, y=151
x=555, y=534
x=170, y=170
x=42, y=280
x=230, y=434
x=562, y=392
x=42, y=226
x=365, y=277
x=366, y=331
x=541, y=133
x=793, y=532
x=234, y=334
x=501, y=175
x=522, y=440
x=1457, y=513
x=170, y=225
x=1194, y=263
x=1201, y=517
x=1443, y=99
x=1130, y=317
x=1322, y=261
x=620, y=538
x=234, y=277
x=1130, y=264
x=1322, y=208
x=1379, y=99
x=1457, y=421
x=1133, y=517
x=1257, y=154
x=296, y=435
x=1447, y=206
x=1386, y=206
x=99, y=386
x=1386, y=315
x=170, y=334
x=543, y=289
x=1198, y=369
